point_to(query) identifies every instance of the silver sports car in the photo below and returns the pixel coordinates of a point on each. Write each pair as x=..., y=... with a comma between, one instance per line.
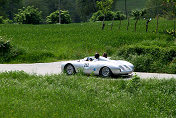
x=102, y=66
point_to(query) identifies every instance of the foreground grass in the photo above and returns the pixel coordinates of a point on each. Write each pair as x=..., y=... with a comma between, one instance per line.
x=23, y=95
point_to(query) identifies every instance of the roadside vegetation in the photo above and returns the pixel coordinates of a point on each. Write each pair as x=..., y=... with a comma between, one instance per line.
x=24, y=95
x=149, y=52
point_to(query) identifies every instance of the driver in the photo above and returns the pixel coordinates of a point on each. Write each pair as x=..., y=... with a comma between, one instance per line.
x=105, y=55
x=97, y=56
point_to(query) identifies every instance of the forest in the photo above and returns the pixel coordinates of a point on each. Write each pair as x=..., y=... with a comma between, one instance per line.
x=82, y=10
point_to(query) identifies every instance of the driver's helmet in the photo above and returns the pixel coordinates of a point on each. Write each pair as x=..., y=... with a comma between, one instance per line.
x=97, y=56
x=105, y=55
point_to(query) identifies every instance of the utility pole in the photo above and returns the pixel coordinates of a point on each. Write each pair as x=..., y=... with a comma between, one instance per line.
x=59, y=11
x=126, y=10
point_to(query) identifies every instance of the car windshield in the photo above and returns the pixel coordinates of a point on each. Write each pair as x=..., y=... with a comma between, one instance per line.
x=88, y=59
x=92, y=59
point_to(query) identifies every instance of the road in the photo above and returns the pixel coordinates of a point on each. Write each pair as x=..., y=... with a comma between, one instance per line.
x=55, y=68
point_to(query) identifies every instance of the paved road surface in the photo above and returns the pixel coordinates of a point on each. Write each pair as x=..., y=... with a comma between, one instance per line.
x=55, y=68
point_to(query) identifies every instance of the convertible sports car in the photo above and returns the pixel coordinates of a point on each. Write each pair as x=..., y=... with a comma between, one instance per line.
x=102, y=66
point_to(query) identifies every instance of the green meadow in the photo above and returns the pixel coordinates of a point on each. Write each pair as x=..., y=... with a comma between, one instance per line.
x=60, y=96
x=48, y=43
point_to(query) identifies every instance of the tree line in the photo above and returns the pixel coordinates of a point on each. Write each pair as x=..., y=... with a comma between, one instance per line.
x=82, y=10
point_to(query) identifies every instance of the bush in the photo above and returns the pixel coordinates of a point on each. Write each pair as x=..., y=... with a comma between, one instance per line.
x=134, y=84
x=150, y=58
x=54, y=17
x=99, y=16
x=29, y=15
x=169, y=32
x=165, y=54
x=7, y=51
x=5, y=21
x=1, y=20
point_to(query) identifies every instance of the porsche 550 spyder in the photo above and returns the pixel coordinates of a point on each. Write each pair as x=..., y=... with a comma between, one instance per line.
x=104, y=67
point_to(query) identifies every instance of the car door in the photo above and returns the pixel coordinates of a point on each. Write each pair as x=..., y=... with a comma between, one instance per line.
x=89, y=67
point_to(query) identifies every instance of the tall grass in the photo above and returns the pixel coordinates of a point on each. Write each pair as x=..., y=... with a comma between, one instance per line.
x=41, y=43
x=46, y=43
x=23, y=95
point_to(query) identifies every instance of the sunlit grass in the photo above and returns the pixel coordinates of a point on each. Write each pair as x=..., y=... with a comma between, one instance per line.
x=46, y=43
x=23, y=95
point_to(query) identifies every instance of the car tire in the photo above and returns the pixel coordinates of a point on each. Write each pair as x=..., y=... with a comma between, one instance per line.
x=69, y=69
x=105, y=72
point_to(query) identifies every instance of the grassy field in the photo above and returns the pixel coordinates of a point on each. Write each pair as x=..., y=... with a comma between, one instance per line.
x=46, y=43
x=60, y=96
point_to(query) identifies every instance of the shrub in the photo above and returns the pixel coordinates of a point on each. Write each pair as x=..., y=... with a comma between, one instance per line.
x=169, y=32
x=165, y=54
x=54, y=17
x=142, y=62
x=7, y=51
x=7, y=21
x=134, y=84
x=99, y=16
x=1, y=20
x=29, y=15
x=150, y=58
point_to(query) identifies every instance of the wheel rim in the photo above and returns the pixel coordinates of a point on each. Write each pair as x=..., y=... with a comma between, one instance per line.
x=70, y=69
x=105, y=72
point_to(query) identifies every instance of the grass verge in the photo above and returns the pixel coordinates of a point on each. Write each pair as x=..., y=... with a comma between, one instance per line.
x=23, y=95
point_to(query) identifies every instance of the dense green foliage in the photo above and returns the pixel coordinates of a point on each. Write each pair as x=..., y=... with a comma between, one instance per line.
x=5, y=21
x=80, y=10
x=99, y=16
x=54, y=17
x=46, y=43
x=137, y=14
x=85, y=8
x=28, y=15
x=150, y=58
x=87, y=97
x=1, y=20
x=9, y=7
x=7, y=51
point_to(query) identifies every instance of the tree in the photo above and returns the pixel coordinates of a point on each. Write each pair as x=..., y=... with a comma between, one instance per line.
x=104, y=6
x=9, y=7
x=137, y=14
x=29, y=15
x=99, y=16
x=86, y=8
x=172, y=4
x=54, y=17
x=154, y=7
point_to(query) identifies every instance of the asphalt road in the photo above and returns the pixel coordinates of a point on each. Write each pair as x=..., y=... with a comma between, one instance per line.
x=55, y=68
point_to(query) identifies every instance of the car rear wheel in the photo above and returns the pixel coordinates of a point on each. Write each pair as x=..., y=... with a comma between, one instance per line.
x=69, y=69
x=105, y=72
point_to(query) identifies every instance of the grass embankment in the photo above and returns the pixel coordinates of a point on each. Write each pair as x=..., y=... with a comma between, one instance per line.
x=46, y=43
x=60, y=96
